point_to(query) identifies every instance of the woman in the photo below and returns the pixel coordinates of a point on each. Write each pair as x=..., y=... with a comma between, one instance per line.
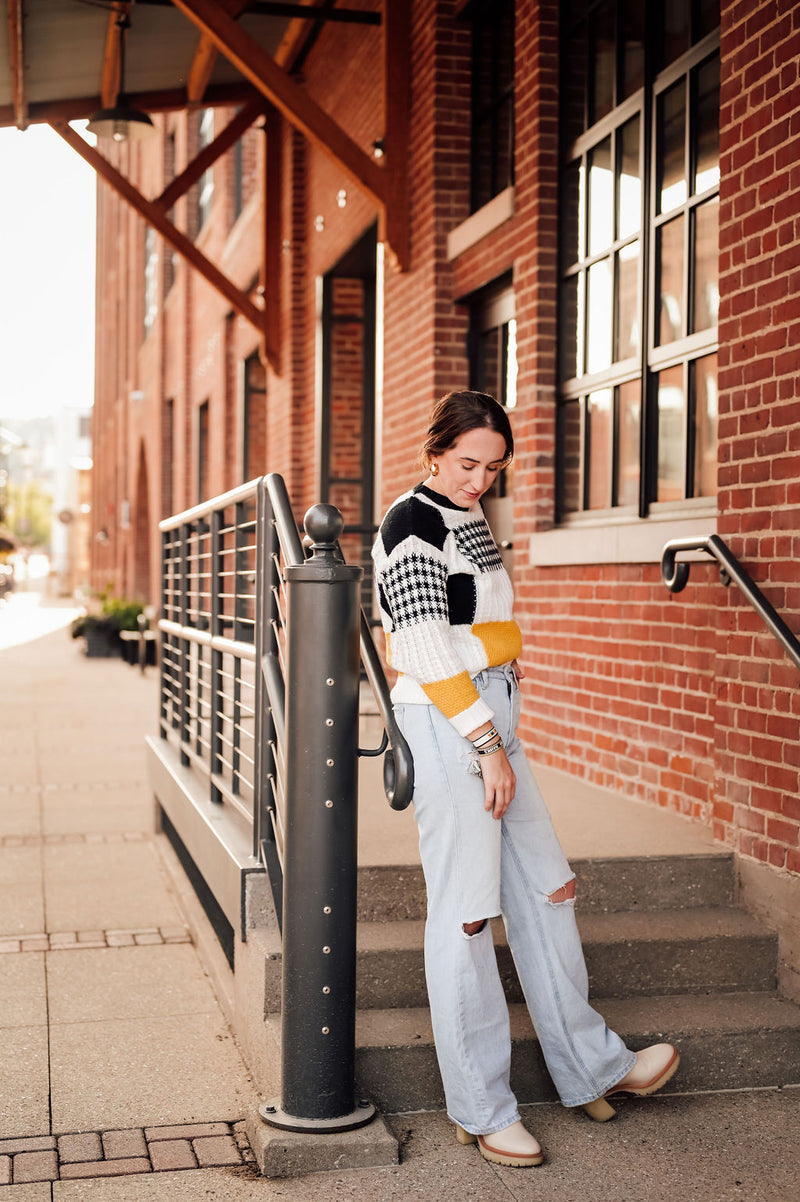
x=486, y=840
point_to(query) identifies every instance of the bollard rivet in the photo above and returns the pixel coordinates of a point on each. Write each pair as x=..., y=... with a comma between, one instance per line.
x=270, y=1109
x=326, y=1030
x=330, y=681
x=329, y=721
x=330, y=763
x=326, y=909
x=329, y=804
x=326, y=951
x=326, y=988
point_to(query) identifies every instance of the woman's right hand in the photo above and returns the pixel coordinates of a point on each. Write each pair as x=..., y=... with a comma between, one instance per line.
x=499, y=782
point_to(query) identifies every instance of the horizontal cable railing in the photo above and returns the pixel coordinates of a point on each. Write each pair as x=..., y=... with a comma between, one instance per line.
x=676, y=577
x=224, y=662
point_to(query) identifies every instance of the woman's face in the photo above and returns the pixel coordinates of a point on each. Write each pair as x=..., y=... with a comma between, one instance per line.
x=469, y=467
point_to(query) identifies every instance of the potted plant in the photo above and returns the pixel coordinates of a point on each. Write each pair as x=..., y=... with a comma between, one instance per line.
x=102, y=630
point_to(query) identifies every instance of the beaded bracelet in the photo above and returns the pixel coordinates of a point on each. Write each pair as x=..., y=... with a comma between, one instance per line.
x=491, y=750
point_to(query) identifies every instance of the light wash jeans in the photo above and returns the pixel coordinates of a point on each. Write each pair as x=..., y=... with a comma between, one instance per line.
x=477, y=867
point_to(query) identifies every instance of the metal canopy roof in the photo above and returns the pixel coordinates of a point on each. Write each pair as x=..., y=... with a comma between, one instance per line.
x=62, y=60
x=67, y=49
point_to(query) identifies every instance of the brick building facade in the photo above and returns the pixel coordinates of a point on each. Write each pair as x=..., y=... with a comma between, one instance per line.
x=572, y=171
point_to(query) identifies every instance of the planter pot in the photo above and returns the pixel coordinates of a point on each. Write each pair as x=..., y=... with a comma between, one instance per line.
x=101, y=643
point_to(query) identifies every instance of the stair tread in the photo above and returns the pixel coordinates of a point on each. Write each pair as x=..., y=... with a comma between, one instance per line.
x=727, y=1013
x=703, y=922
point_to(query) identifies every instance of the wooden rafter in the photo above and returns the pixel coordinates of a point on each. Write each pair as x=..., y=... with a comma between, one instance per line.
x=296, y=105
x=109, y=81
x=16, y=54
x=238, y=300
x=206, y=54
x=209, y=154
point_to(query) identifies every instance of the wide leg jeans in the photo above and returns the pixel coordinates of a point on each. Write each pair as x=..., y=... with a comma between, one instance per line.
x=477, y=867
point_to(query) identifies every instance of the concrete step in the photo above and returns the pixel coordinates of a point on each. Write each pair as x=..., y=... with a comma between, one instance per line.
x=680, y=951
x=728, y=1041
x=615, y=883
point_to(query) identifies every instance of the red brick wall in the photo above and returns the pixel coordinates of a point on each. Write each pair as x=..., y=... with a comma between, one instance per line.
x=758, y=701
x=682, y=701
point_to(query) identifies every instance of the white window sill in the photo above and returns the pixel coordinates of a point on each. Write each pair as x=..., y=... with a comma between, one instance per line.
x=621, y=541
x=499, y=209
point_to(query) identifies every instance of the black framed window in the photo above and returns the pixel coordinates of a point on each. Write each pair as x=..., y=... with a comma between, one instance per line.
x=205, y=185
x=493, y=369
x=492, y=145
x=170, y=256
x=638, y=245
x=202, y=452
x=150, y=278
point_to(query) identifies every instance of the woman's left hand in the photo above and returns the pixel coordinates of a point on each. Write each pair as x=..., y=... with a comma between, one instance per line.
x=517, y=669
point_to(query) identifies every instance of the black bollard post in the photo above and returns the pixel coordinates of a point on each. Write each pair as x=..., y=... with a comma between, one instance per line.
x=320, y=850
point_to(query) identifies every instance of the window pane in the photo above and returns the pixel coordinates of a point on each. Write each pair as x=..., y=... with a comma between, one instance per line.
x=629, y=403
x=629, y=182
x=707, y=131
x=600, y=313
x=573, y=213
x=704, y=404
x=705, y=305
x=603, y=57
x=575, y=78
x=571, y=328
x=627, y=341
x=571, y=457
x=601, y=198
x=672, y=147
x=676, y=29
x=707, y=18
x=670, y=266
x=633, y=46
x=601, y=433
x=671, y=426
x=512, y=368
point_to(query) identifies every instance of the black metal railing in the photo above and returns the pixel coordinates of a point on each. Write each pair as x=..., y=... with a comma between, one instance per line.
x=676, y=577
x=262, y=640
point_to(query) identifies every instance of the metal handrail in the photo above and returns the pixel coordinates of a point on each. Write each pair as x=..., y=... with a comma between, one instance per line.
x=676, y=576
x=398, y=764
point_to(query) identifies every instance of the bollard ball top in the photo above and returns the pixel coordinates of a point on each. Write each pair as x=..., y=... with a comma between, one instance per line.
x=323, y=524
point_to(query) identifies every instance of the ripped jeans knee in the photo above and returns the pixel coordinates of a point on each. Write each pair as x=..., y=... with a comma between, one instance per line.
x=471, y=929
x=563, y=895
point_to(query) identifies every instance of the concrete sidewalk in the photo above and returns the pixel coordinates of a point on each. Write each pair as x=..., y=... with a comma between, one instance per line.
x=119, y=1079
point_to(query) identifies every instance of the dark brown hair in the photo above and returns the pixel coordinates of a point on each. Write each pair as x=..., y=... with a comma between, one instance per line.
x=458, y=412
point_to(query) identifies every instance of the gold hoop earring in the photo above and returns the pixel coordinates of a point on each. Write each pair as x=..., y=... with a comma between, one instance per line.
x=434, y=469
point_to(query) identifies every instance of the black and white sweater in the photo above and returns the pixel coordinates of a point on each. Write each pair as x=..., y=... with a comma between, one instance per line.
x=446, y=604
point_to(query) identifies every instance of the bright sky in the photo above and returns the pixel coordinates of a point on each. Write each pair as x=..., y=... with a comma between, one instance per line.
x=47, y=221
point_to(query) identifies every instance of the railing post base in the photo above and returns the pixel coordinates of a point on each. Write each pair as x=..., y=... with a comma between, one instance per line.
x=286, y=1152
x=273, y=1114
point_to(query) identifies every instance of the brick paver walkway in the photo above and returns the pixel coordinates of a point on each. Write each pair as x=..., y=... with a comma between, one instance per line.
x=117, y=1060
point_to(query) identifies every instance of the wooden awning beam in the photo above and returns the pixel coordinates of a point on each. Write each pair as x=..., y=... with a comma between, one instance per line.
x=296, y=105
x=238, y=300
x=16, y=56
x=162, y=100
x=110, y=77
x=206, y=158
x=205, y=56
